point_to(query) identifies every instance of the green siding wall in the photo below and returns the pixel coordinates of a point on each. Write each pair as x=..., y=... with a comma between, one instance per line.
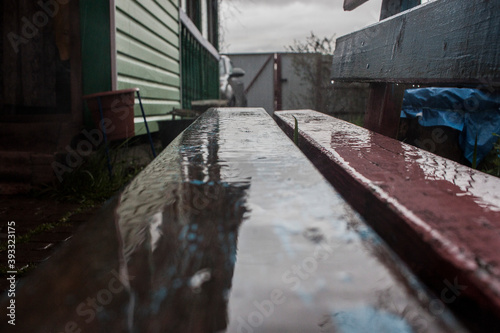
x=96, y=46
x=96, y=49
x=147, y=44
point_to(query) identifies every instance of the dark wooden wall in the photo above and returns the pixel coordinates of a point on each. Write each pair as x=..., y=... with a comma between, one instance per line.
x=35, y=75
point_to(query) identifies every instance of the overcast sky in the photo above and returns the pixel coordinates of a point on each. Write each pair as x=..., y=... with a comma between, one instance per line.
x=270, y=25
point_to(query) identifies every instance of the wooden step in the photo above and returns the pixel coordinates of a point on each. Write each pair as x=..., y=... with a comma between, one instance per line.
x=27, y=151
x=22, y=171
x=35, y=136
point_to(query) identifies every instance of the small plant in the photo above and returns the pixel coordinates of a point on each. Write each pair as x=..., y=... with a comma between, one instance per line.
x=474, y=155
x=29, y=234
x=357, y=120
x=91, y=182
x=4, y=270
x=491, y=163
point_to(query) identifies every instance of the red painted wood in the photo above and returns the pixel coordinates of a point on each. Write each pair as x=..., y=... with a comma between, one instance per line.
x=441, y=217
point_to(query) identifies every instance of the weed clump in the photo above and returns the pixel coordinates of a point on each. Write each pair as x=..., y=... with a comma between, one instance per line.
x=91, y=182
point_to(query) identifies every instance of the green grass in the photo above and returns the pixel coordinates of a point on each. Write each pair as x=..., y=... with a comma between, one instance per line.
x=63, y=221
x=20, y=272
x=90, y=183
x=357, y=120
x=491, y=163
x=87, y=185
x=27, y=236
x=474, y=155
x=296, y=132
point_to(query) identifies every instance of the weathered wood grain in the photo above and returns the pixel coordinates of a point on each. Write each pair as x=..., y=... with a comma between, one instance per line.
x=446, y=41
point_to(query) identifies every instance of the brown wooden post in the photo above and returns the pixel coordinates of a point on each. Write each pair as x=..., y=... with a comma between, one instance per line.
x=384, y=108
x=384, y=105
x=278, y=98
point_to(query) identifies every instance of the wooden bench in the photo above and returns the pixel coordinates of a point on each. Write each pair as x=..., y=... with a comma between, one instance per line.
x=441, y=217
x=230, y=228
x=439, y=43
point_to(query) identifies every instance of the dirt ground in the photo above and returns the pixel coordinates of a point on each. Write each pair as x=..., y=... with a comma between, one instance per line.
x=58, y=220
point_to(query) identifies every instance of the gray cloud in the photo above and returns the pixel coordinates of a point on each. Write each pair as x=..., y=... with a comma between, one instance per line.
x=266, y=26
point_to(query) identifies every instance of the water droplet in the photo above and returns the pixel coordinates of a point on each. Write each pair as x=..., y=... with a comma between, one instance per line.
x=199, y=278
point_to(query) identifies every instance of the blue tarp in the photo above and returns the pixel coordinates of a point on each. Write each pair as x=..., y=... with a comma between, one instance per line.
x=470, y=111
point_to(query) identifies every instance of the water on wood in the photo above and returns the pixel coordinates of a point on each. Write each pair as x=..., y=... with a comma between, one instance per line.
x=230, y=229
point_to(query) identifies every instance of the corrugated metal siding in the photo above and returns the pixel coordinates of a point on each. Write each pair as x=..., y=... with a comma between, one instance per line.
x=147, y=44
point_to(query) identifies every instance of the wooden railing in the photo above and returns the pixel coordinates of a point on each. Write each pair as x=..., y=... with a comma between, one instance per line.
x=199, y=65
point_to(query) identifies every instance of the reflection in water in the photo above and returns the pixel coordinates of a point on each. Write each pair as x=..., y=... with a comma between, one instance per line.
x=401, y=178
x=162, y=256
x=472, y=183
x=406, y=162
x=358, y=140
x=369, y=319
x=182, y=244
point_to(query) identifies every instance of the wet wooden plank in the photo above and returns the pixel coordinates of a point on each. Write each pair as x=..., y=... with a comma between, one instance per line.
x=446, y=41
x=230, y=229
x=441, y=217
